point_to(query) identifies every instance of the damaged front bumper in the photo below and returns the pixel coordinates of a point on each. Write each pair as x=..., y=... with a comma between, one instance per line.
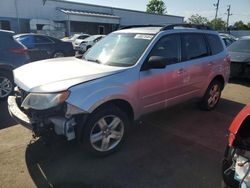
x=61, y=121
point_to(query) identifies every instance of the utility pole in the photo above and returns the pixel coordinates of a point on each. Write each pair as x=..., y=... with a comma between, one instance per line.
x=17, y=16
x=228, y=15
x=217, y=8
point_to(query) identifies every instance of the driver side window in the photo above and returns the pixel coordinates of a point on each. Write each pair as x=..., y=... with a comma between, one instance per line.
x=168, y=47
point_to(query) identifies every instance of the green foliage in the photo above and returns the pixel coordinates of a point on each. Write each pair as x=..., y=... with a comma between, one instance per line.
x=241, y=26
x=156, y=6
x=218, y=24
x=197, y=19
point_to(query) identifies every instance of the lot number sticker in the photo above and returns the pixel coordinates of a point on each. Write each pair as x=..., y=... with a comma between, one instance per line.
x=145, y=37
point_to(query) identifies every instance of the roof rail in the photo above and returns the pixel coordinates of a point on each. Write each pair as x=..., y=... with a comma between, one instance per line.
x=172, y=26
x=149, y=25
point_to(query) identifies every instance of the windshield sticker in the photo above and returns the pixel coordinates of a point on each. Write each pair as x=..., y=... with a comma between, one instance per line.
x=145, y=37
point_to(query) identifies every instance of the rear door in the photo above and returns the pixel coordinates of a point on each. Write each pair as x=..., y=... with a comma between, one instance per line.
x=45, y=46
x=196, y=63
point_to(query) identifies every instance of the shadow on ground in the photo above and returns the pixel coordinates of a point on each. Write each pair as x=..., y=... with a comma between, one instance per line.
x=5, y=119
x=177, y=147
x=240, y=81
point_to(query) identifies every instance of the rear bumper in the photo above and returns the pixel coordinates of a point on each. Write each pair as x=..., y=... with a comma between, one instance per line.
x=18, y=115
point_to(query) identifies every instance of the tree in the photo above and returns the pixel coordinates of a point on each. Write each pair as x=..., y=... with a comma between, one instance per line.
x=218, y=24
x=156, y=6
x=197, y=19
x=240, y=25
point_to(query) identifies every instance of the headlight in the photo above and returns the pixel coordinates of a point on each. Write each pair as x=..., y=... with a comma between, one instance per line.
x=43, y=101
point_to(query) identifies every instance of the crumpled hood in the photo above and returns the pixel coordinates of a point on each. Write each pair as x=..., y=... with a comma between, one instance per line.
x=239, y=57
x=54, y=75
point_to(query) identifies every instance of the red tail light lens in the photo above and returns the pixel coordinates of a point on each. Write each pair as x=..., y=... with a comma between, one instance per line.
x=23, y=51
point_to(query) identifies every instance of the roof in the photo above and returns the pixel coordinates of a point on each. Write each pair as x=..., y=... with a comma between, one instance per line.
x=148, y=30
x=7, y=31
x=85, y=13
x=66, y=1
x=153, y=29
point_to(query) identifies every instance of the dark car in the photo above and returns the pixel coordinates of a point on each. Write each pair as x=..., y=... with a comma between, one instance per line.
x=45, y=47
x=12, y=55
x=240, y=57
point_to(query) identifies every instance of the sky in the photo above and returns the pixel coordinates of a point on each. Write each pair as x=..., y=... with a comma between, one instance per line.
x=239, y=8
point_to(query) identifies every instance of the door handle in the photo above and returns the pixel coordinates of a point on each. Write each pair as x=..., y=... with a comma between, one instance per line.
x=180, y=71
x=210, y=63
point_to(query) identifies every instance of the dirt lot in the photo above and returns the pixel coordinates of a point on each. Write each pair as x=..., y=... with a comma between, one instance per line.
x=178, y=147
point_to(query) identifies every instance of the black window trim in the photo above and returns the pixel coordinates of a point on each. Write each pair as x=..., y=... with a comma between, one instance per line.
x=51, y=41
x=149, y=54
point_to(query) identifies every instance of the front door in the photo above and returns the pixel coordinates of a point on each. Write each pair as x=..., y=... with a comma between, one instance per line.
x=157, y=84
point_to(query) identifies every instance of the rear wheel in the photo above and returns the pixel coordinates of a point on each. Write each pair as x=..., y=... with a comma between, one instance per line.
x=105, y=130
x=6, y=84
x=212, y=95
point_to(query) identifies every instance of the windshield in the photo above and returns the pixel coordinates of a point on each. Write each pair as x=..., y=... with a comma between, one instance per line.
x=119, y=49
x=240, y=46
x=74, y=36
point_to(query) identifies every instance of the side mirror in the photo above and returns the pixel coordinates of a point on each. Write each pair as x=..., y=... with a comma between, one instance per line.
x=155, y=62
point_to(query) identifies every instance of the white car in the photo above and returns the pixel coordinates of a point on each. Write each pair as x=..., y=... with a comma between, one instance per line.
x=84, y=45
x=74, y=37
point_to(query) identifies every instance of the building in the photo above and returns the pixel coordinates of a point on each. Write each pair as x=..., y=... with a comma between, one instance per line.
x=60, y=17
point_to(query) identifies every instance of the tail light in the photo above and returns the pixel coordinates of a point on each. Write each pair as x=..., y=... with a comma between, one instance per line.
x=22, y=51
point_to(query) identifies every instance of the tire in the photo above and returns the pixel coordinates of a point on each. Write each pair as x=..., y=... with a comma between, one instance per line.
x=105, y=130
x=6, y=84
x=212, y=95
x=58, y=55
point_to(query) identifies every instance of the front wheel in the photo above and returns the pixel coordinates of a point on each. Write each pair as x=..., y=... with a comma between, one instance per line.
x=105, y=130
x=212, y=95
x=6, y=85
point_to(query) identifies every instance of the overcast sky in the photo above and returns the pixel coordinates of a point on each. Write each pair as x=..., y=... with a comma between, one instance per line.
x=240, y=8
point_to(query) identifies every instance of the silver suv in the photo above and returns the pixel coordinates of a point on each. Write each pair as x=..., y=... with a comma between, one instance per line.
x=131, y=72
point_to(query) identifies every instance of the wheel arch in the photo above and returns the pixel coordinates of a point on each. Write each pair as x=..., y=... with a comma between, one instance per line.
x=221, y=79
x=120, y=103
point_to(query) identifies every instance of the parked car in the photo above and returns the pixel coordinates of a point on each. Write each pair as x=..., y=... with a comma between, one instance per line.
x=236, y=163
x=228, y=39
x=45, y=47
x=228, y=36
x=240, y=54
x=12, y=55
x=83, y=45
x=127, y=74
x=74, y=37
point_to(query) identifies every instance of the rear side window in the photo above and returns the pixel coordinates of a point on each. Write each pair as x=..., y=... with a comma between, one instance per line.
x=215, y=44
x=193, y=46
x=42, y=40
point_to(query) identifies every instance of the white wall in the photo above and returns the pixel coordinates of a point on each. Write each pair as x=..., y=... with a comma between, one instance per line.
x=34, y=9
x=136, y=17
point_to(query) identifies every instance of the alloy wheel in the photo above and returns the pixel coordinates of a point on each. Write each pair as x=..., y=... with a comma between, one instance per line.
x=6, y=87
x=107, y=133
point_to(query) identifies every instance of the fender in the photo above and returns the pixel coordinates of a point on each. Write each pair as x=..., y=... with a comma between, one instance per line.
x=92, y=100
x=235, y=125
